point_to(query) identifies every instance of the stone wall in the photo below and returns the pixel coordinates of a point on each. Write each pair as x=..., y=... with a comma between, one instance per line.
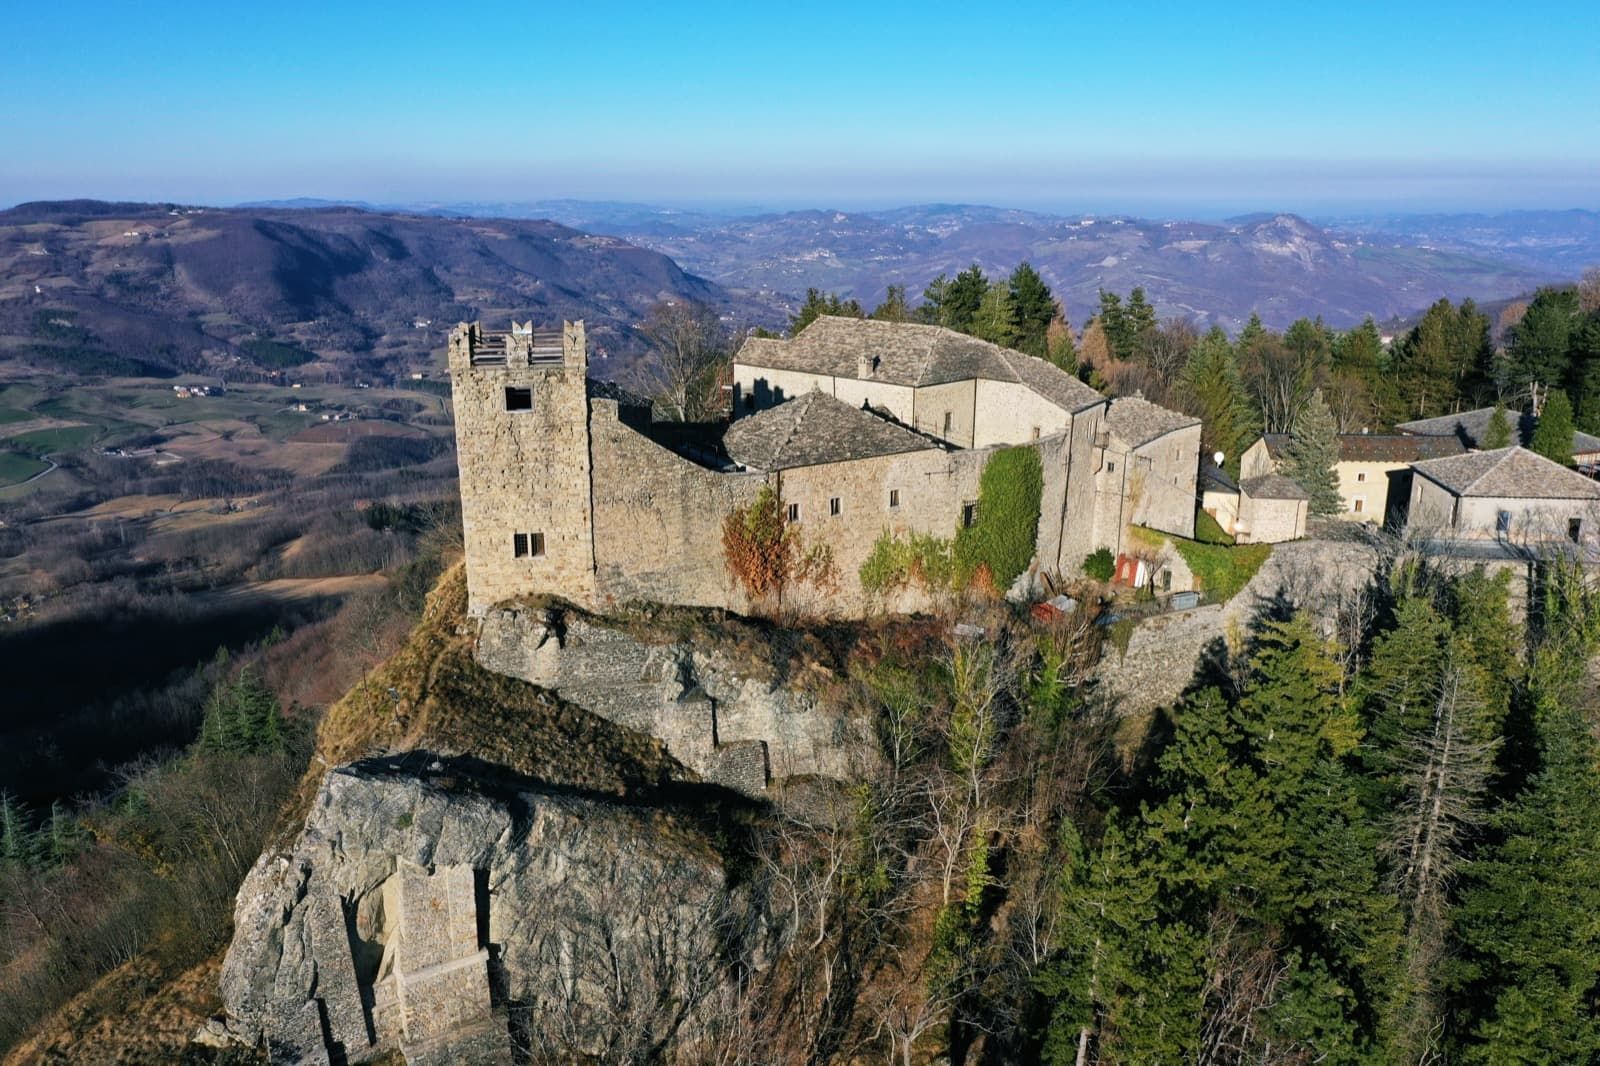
x=1012, y=413
x=523, y=472
x=1270, y=521
x=730, y=724
x=957, y=400
x=658, y=519
x=1170, y=466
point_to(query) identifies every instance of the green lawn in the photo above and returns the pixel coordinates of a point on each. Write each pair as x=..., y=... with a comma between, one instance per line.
x=66, y=439
x=15, y=467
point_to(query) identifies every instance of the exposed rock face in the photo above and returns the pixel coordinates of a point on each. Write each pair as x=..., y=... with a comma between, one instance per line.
x=425, y=911
x=728, y=726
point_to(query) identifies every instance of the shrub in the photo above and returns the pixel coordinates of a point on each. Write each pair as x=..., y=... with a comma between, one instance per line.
x=276, y=355
x=1003, y=535
x=1100, y=565
x=764, y=554
x=920, y=558
x=1222, y=570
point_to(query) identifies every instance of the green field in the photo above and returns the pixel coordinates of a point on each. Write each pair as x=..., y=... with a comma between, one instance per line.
x=13, y=414
x=45, y=441
x=15, y=468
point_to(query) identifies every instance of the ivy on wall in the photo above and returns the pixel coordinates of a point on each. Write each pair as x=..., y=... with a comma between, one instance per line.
x=764, y=554
x=1000, y=542
x=920, y=558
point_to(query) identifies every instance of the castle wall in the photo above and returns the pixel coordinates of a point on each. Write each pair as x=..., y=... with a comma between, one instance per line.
x=1009, y=413
x=1171, y=465
x=1078, y=523
x=759, y=388
x=658, y=519
x=523, y=472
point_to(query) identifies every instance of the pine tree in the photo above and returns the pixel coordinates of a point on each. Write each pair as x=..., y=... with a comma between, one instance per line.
x=1034, y=308
x=1552, y=436
x=961, y=298
x=1498, y=432
x=1313, y=452
x=18, y=844
x=1538, y=349
x=817, y=304
x=996, y=320
x=1113, y=321
x=1252, y=333
x=1213, y=391
x=1139, y=322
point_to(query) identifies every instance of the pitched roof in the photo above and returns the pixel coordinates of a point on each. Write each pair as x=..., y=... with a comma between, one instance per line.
x=1470, y=426
x=1378, y=447
x=1513, y=473
x=1215, y=479
x=1135, y=420
x=909, y=353
x=816, y=428
x=1272, y=487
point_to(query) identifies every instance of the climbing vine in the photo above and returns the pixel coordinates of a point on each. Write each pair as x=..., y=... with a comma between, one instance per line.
x=765, y=554
x=1000, y=542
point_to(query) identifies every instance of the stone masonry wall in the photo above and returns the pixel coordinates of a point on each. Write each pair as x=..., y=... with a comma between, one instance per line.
x=523, y=472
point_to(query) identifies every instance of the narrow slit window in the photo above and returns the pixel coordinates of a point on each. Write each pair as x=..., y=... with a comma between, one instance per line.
x=1575, y=529
x=536, y=544
x=835, y=505
x=969, y=515
x=947, y=422
x=894, y=497
x=794, y=512
x=519, y=545
x=519, y=399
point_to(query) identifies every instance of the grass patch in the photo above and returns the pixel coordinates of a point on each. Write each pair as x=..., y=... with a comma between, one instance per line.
x=276, y=355
x=1222, y=570
x=9, y=415
x=1207, y=531
x=15, y=468
x=65, y=439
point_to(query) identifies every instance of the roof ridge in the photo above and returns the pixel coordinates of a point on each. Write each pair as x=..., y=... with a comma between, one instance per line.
x=794, y=423
x=1505, y=455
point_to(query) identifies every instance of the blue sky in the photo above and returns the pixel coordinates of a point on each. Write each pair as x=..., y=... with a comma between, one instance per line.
x=1153, y=107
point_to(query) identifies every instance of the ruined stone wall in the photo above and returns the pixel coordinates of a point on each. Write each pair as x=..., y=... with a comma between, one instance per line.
x=1011, y=413
x=658, y=519
x=523, y=471
x=958, y=400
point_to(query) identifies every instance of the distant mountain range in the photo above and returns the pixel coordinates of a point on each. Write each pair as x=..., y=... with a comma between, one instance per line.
x=192, y=288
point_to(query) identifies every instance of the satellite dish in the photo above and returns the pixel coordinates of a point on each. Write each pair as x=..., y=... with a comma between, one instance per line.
x=1217, y=458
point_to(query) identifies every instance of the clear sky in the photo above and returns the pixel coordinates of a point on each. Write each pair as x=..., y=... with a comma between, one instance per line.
x=1145, y=107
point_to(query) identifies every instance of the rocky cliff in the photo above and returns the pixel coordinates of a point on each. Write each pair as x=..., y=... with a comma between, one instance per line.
x=429, y=910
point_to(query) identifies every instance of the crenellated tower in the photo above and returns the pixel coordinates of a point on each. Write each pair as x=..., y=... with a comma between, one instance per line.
x=522, y=446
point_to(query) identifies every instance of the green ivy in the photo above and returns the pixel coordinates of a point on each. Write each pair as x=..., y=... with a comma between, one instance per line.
x=920, y=558
x=1002, y=539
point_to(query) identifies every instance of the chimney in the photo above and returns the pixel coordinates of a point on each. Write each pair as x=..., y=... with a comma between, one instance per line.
x=866, y=365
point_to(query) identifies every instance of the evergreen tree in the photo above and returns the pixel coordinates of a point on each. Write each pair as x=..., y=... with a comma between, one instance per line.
x=1060, y=348
x=961, y=298
x=893, y=308
x=1313, y=451
x=1538, y=349
x=1113, y=321
x=1139, y=322
x=1034, y=308
x=996, y=320
x=242, y=717
x=1552, y=436
x=1213, y=391
x=817, y=304
x=18, y=845
x=1498, y=432
x=1252, y=333
x=1583, y=351
x=1435, y=362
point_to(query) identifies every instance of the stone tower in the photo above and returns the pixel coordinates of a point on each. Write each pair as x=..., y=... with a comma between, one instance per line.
x=522, y=444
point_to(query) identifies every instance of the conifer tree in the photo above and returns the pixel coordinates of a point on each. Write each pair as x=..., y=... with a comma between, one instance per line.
x=1113, y=321
x=1538, y=349
x=1252, y=333
x=17, y=842
x=1060, y=347
x=1139, y=322
x=960, y=299
x=1214, y=392
x=1313, y=452
x=1552, y=436
x=818, y=303
x=1498, y=432
x=996, y=320
x=893, y=308
x=1034, y=308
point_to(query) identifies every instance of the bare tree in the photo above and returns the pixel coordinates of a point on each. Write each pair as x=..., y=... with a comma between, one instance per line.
x=1589, y=290
x=688, y=348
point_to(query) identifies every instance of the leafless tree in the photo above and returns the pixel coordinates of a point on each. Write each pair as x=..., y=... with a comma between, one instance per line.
x=1589, y=290
x=688, y=347
x=1283, y=379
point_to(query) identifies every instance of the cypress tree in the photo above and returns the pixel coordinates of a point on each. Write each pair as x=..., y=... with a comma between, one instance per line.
x=1313, y=451
x=1552, y=436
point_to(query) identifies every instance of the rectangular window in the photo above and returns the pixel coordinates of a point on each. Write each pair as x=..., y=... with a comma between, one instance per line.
x=794, y=512
x=834, y=506
x=536, y=545
x=1359, y=505
x=1574, y=529
x=1035, y=432
x=1111, y=468
x=527, y=545
x=1502, y=521
x=969, y=515
x=894, y=497
x=1361, y=476
x=947, y=423
x=519, y=399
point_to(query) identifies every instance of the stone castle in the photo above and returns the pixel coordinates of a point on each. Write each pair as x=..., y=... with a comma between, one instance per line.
x=861, y=428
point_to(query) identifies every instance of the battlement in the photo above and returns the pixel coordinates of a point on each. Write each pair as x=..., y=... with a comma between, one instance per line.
x=473, y=347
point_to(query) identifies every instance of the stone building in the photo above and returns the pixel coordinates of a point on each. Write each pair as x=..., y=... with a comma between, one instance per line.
x=1508, y=494
x=862, y=429
x=1374, y=469
x=1470, y=428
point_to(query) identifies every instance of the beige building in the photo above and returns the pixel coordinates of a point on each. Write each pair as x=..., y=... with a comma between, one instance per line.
x=862, y=428
x=1271, y=509
x=1149, y=462
x=1374, y=469
x=1508, y=494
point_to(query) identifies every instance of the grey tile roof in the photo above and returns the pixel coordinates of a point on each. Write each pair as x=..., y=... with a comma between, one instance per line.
x=1215, y=479
x=1135, y=420
x=909, y=353
x=1378, y=447
x=1272, y=487
x=1512, y=473
x=816, y=428
x=1470, y=426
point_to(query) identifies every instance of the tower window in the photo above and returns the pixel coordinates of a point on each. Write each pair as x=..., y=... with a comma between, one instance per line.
x=835, y=505
x=1361, y=476
x=794, y=512
x=519, y=399
x=947, y=423
x=527, y=545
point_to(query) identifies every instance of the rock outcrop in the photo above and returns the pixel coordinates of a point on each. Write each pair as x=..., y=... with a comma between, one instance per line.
x=725, y=721
x=429, y=910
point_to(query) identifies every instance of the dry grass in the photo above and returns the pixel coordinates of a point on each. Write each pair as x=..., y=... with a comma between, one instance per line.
x=130, y=1016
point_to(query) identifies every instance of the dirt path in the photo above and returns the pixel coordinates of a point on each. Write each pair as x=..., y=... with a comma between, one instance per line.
x=296, y=588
